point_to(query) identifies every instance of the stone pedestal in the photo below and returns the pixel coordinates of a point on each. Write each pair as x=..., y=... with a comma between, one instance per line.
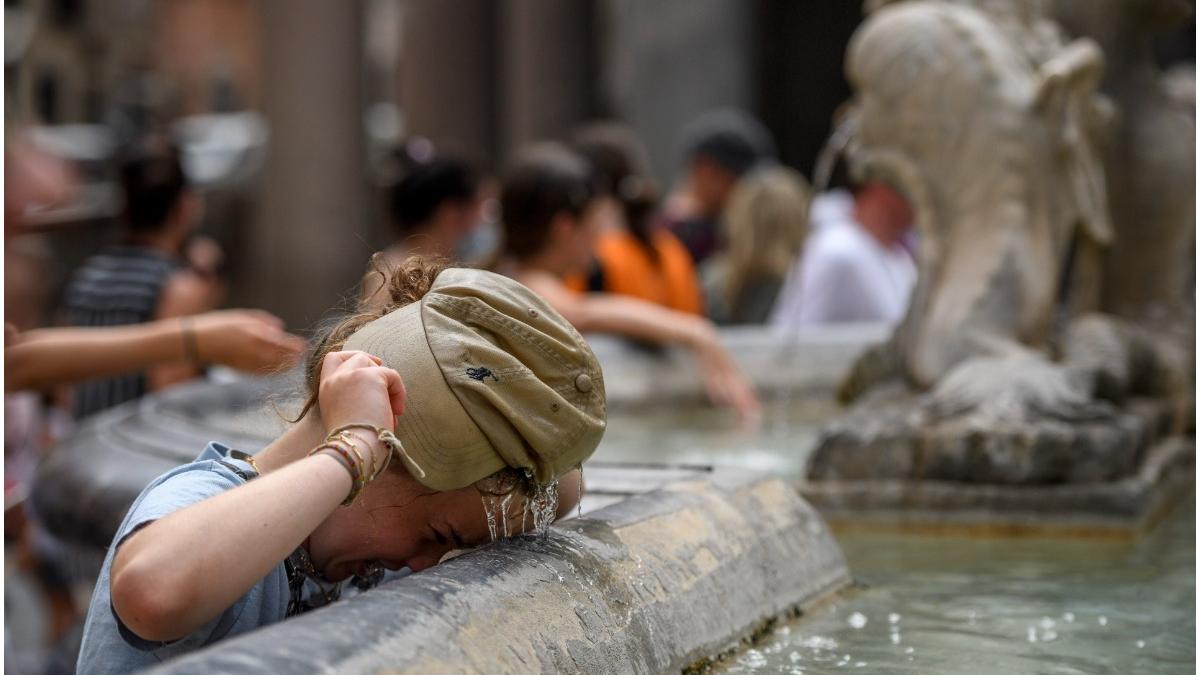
x=885, y=464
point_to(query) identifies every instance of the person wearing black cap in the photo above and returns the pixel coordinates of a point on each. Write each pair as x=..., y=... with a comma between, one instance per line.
x=721, y=146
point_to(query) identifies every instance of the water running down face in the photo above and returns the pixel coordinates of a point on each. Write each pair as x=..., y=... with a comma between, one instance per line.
x=400, y=523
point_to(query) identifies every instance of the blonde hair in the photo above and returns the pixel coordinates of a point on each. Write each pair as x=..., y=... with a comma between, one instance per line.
x=765, y=222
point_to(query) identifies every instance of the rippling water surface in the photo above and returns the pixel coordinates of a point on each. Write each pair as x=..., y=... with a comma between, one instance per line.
x=961, y=605
x=939, y=604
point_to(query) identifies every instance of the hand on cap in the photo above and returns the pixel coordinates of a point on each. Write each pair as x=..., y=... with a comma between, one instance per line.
x=246, y=339
x=356, y=389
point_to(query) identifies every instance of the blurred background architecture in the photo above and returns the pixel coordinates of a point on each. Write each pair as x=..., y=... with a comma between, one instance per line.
x=287, y=176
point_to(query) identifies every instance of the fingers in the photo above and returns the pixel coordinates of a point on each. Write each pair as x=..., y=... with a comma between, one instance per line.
x=348, y=360
x=259, y=316
x=727, y=387
x=395, y=387
x=279, y=350
x=748, y=407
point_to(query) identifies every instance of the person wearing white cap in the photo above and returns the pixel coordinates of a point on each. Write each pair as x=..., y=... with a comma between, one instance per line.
x=465, y=387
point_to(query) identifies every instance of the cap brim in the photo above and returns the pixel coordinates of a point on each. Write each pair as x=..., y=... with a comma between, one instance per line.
x=443, y=447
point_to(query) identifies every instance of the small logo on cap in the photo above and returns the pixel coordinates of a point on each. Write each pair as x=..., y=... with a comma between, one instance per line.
x=480, y=373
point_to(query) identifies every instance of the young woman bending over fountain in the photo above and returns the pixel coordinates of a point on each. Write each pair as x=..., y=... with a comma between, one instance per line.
x=547, y=205
x=467, y=387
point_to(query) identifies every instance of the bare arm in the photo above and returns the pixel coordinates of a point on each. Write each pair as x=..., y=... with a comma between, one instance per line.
x=242, y=339
x=178, y=573
x=610, y=313
x=184, y=294
x=181, y=571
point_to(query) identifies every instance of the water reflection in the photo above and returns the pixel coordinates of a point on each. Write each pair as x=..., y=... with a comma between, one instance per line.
x=959, y=605
x=703, y=436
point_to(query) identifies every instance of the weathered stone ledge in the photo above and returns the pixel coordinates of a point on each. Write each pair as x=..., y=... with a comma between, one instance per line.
x=647, y=585
x=1122, y=507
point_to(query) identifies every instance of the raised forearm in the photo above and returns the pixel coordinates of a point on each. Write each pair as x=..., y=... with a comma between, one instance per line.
x=605, y=313
x=48, y=357
x=183, y=570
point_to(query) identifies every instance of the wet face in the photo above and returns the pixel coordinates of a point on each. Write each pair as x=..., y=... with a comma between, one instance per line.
x=398, y=523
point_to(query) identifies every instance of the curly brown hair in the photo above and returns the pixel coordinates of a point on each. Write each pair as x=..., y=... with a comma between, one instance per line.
x=403, y=285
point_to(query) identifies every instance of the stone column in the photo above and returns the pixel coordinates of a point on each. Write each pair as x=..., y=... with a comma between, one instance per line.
x=668, y=61
x=448, y=74
x=548, y=69
x=307, y=247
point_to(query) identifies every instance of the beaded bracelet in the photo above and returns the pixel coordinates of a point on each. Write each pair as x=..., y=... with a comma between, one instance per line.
x=348, y=439
x=353, y=465
x=388, y=438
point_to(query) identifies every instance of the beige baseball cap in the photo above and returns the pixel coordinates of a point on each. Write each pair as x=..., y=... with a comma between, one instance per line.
x=494, y=378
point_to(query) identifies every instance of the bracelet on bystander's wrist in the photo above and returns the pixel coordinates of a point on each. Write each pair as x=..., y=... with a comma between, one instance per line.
x=191, y=345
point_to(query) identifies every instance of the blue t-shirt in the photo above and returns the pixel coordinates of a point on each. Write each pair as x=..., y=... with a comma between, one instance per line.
x=110, y=647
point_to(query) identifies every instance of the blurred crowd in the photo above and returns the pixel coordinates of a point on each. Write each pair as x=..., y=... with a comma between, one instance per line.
x=739, y=239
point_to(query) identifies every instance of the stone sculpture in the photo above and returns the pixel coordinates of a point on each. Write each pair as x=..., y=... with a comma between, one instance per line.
x=1028, y=354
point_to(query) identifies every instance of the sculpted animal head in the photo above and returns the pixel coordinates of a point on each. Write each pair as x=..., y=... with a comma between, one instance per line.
x=988, y=139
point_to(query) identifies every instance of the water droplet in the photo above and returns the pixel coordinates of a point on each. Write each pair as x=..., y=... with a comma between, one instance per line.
x=1031, y=634
x=857, y=620
x=893, y=618
x=909, y=650
x=795, y=657
x=1069, y=617
x=503, y=515
x=1141, y=644
x=895, y=638
x=1049, y=636
x=816, y=642
x=754, y=659
x=1047, y=622
x=1103, y=620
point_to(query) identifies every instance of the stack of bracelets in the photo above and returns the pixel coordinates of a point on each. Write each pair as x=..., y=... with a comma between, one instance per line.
x=340, y=444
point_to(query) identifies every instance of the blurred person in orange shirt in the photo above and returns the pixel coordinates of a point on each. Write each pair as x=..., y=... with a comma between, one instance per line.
x=549, y=212
x=634, y=254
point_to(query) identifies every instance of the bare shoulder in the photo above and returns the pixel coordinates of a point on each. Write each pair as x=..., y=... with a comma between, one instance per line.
x=185, y=292
x=545, y=284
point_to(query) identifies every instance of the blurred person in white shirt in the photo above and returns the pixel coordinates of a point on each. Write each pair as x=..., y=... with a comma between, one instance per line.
x=856, y=265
